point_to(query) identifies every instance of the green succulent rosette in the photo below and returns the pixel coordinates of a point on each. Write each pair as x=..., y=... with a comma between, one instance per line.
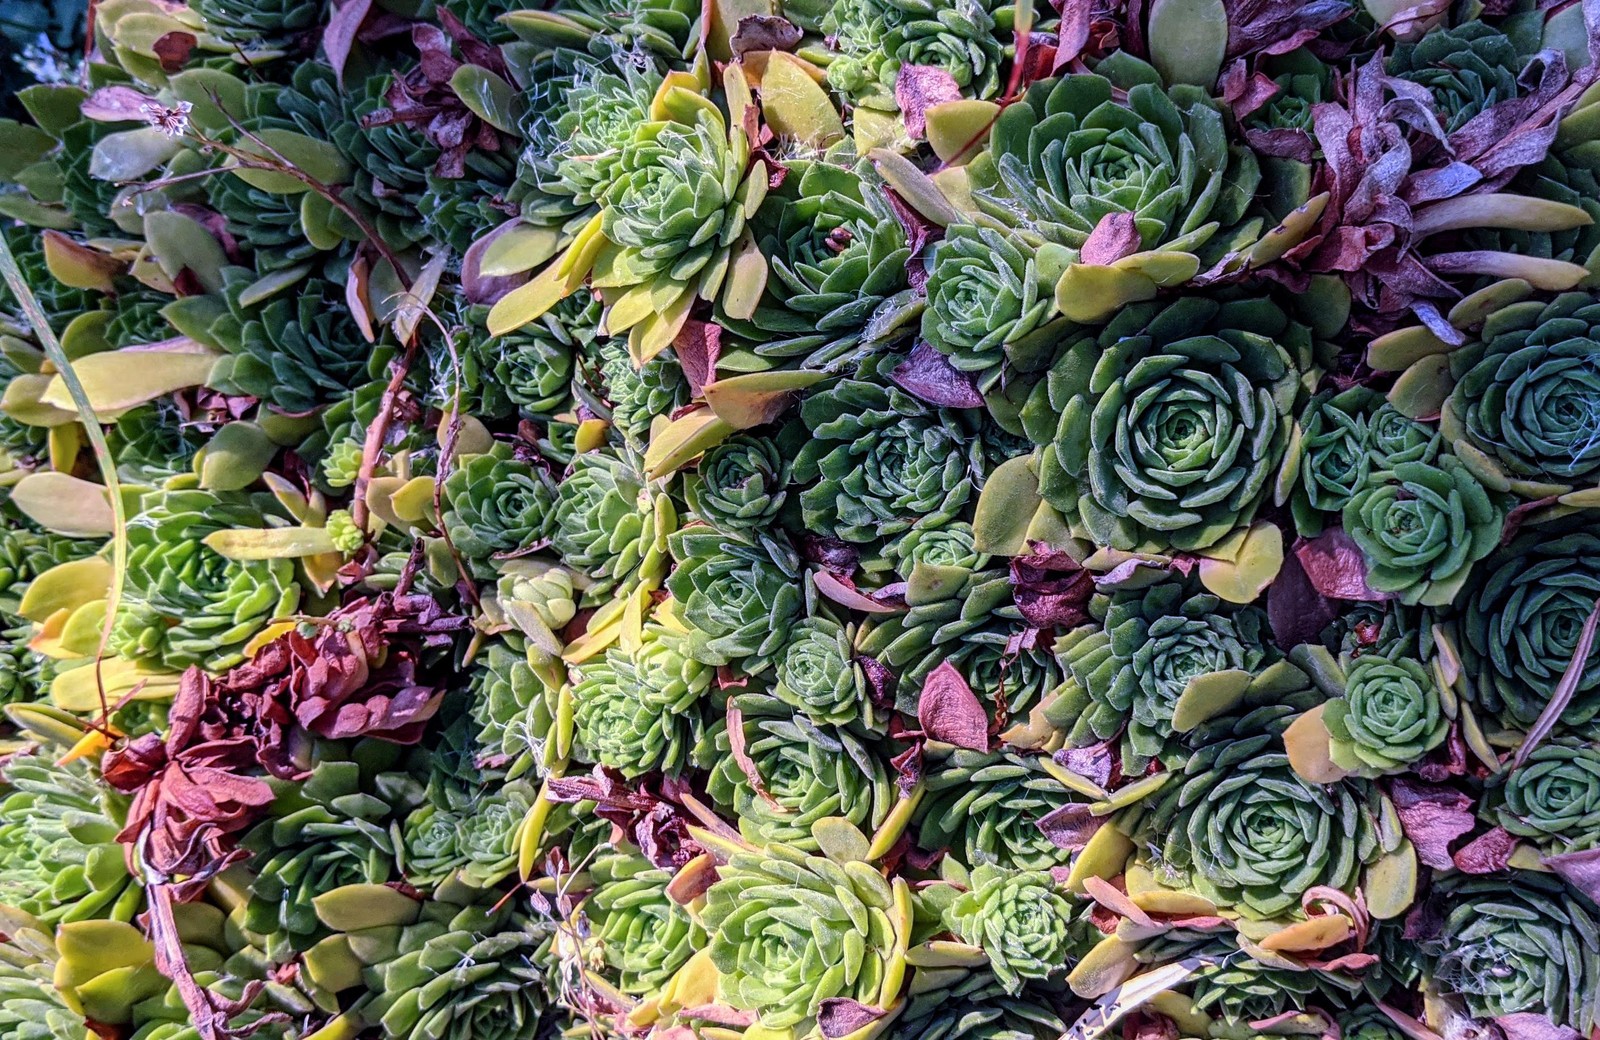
x=1519, y=624
x=608, y=524
x=983, y=806
x=496, y=504
x=976, y=1007
x=1345, y=436
x=463, y=834
x=154, y=442
x=1527, y=944
x=1237, y=825
x=187, y=604
x=60, y=860
x=1022, y=921
x=1369, y=1023
x=1553, y=798
x=799, y=772
x=1150, y=647
x=735, y=599
x=634, y=395
x=1189, y=407
x=1385, y=710
x=989, y=300
x=522, y=721
x=334, y=829
x=1422, y=528
x=879, y=463
x=873, y=39
x=789, y=930
x=741, y=484
x=640, y=710
x=1118, y=140
x=639, y=933
x=528, y=372
x=839, y=262
x=819, y=677
x=1525, y=410
x=296, y=349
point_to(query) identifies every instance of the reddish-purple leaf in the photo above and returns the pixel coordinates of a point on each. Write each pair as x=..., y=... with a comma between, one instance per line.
x=1116, y=236
x=1070, y=827
x=1051, y=590
x=1335, y=567
x=1432, y=817
x=918, y=88
x=340, y=35
x=846, y=595
x=698, y=346
x=949, y=711
x=764, y=32
x=841, y=1016
x=880, y=681
x=115, y=105
x=172, y=49
x=1488, y=853
x=741, y=756
x=1580, y=869
x=929, y=376
x=1526, y=1025
x=1297, y=612
x=1072, y=35
x=1097, y=762
x=478, y=287
x=831, y=554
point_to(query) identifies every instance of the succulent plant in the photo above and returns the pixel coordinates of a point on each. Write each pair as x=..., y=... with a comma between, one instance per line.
x=798, y=772
x=638, y=711
x=1527, y=945
x=1150, y=648
x=186, y=603
x=788, y=931
x=819, y=676
x=606, y=523
x=1466, y=68
x=61, y=861
x=1192, y=400
x=736, y=600
x=879, y=463
x=1553, y=798
x=1117, y=141
x=1241, y=828
x=1422, y=527
x=741, y=485
x=641, y=934
x=984, y=804
x=1520, y=624
x=496, y=504
x=1022, y=921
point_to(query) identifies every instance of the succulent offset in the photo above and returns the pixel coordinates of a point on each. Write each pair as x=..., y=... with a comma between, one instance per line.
x=800, y=520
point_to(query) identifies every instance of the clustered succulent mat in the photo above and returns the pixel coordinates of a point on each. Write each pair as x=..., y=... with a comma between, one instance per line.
x=904, y=519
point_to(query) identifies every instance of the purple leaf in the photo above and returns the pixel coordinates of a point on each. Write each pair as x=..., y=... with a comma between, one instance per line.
x=1070, y=827
x=918, y=88
x=848, y=597
x=928, y=376
x=478, y=287
x=1115, y=237
x=1335, y=567
x=949, y=711
x=1051, y=590
x=1096, y=762
x=1580, y=869
x=1432, y=817
x=1488, y=853
x=764, y=32
x=841, y=1016
x=340, y=35
x=1526, y=1025
x=1297, y=612
x=698, y=346
x=115, y=105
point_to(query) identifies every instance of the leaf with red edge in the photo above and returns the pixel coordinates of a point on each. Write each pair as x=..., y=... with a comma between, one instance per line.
x=1433, y=817
x=949, y=711
x=929, y=376
x=918, y=88
x=172, y=50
